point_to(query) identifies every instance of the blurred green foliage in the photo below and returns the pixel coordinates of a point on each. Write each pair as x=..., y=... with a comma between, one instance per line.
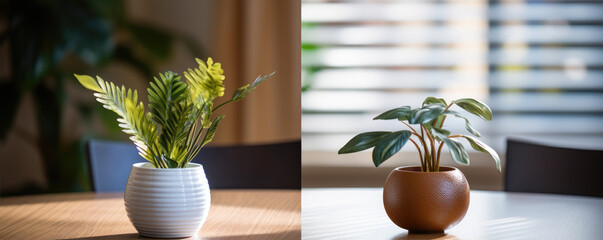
x=50, y=40
x=308, y=72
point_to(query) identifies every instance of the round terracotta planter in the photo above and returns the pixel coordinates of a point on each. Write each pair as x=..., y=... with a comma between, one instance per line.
x=426, y=201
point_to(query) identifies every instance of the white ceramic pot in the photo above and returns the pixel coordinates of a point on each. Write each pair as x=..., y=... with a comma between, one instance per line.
x=167, y=203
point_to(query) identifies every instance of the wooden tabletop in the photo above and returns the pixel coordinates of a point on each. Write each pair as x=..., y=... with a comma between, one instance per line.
x=357, y=213
x=234, y=214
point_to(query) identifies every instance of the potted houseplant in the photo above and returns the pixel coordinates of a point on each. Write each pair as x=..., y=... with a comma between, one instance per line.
x=169, y=197
x=426, y=198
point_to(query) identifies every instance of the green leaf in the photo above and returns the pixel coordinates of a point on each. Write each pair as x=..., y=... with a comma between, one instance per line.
x=361, y=142
x=468, y=125
x=470, y=128
x=243, y=91
x=433, y=100
x=459, y=155
x=169, y=162
x=425, y=114
x=389, y=145
x=164, y=95
x=395, y=113
x=440, y=134
x=482, y=147
x=132, y=119
x=88, y=82
x=438, y=121
x=475, y=107
x=211, y=131
x=205, y=82
x=193, y=150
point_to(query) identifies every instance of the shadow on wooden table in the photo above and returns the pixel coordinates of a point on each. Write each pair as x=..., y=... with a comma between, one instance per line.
x=114, y=236
x=279, y=235
x=439, y=236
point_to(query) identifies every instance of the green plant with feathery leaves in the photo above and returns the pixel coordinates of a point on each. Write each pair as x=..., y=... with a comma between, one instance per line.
x=171, y=134
x=430, y=119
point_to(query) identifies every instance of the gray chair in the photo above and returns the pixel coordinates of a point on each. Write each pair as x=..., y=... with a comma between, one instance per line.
x=538, y=168
x=267, y=166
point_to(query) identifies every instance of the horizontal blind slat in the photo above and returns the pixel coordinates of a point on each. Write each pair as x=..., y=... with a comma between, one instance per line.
x=429, y=34
x=350, y=12
x=371, y=79
x=508, y=123
x=370, y=101
x=438, y=56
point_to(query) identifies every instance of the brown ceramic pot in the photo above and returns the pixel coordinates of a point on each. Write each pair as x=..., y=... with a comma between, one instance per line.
x=426, y=201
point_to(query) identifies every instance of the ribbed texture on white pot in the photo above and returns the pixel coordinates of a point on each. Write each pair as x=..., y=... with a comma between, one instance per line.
x=167, y=203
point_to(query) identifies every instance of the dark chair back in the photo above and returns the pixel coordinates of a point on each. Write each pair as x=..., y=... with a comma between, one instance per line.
x=271, y=166
x=110, y=164
x=532, y=167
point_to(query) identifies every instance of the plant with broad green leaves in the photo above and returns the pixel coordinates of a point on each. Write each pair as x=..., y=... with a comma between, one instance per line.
x=171, y=134
x=430, y=118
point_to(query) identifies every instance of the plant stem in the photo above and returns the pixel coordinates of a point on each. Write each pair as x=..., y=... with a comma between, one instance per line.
x=158, y=162
x=415, y=131
x=221, y=105
x=426, y=156
x=444, y=119
x=420, y=154
x=442, y=143
x=439, y=154
x=422, y=159
x=432, y=160
x=427, y=159
x=434, y=165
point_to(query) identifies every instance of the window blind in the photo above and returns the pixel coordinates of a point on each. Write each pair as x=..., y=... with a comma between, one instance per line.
x=537, y=64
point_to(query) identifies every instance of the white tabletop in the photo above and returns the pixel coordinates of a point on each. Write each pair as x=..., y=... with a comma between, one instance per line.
x=357, y=213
